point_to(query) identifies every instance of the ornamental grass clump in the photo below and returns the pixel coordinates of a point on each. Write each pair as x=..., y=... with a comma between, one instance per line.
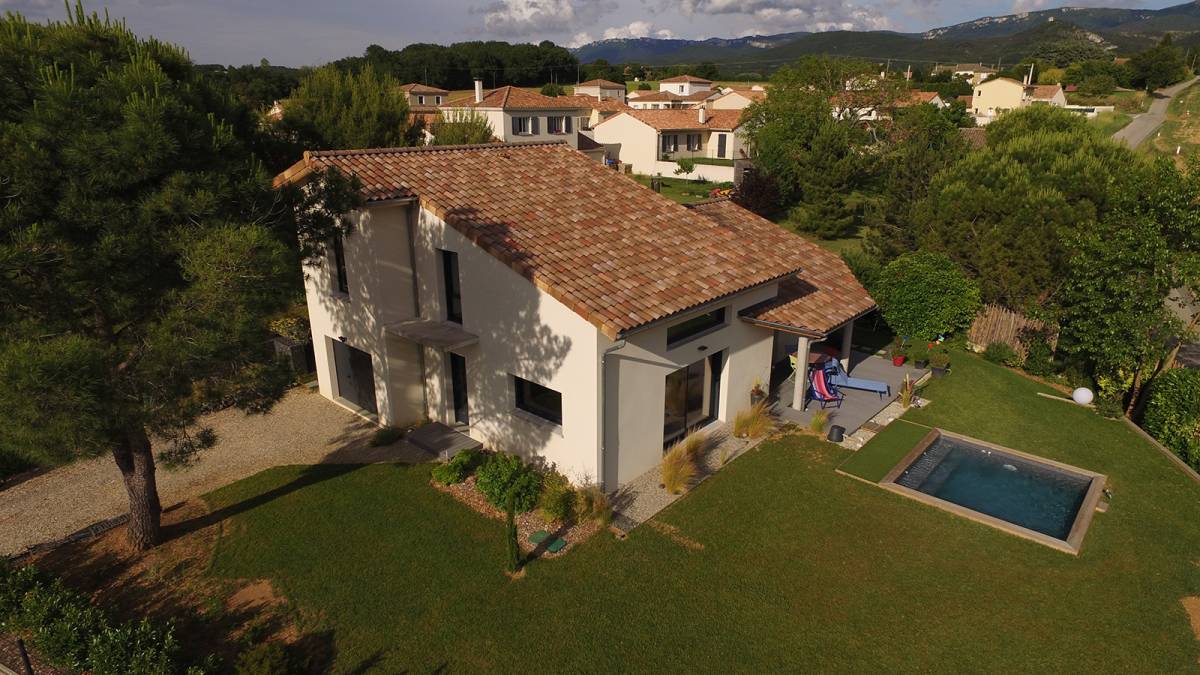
x=820, y=418
x=695, y=445
x=678, y=469
x=908, y=392
x=753, y=421
x=591, y=502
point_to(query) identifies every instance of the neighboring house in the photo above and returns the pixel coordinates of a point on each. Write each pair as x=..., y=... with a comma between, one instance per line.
x=737, y=99
x=423, y=96
x=520, y=115
x=600, y=108
x=999, y=95
x=667, y=100
x=974, y=73
x=849, y=104
x=685, y=84
x=604, y=89
x=651, y=140
x=552, y=308
x=918, y=97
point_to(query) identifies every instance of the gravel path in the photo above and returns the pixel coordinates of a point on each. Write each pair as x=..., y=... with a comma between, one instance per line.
x=304, y=428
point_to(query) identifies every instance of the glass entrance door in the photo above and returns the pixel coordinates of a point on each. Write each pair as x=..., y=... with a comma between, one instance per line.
x=691, y=397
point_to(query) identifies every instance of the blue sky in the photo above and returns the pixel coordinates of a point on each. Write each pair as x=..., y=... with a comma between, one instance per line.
x=306, y=32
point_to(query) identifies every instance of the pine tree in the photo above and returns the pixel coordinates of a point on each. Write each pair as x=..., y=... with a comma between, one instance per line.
x=141, y=251
x=336, y=110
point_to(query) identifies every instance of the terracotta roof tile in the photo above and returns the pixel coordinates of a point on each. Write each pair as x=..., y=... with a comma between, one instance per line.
x=615, y=252
x=672, y=96
x=604, y=84
x=822, y=296
x=414, y=88
x=601, y=104
x=685, y=119
x=515, y=98
x=1043, y=92
x=687, y=78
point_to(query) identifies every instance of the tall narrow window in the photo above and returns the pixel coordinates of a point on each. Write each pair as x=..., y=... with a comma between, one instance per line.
x=340, y=280
x=693, y=142
x=721, y=145
x=453, y=288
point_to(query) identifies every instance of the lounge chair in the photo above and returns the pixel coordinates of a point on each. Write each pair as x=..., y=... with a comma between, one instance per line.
x=837, y=375
x=819, y=389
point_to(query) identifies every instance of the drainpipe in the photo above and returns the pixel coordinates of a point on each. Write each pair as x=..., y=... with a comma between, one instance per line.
x=604, y=410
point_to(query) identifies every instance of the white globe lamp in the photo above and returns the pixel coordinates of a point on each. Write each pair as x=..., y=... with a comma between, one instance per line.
x=1082, y=396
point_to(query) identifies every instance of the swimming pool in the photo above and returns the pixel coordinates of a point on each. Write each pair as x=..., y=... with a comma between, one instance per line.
x=1029, y=496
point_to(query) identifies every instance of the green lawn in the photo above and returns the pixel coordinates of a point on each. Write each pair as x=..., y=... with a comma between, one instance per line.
x=1181, y=130
x=1132, y=102
x=682, y=190
x=1109, y=123
x=801, y=568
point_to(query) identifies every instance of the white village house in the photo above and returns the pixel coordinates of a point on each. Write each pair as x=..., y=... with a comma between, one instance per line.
x=519, y=115
x=650, y=141
x=549, y=307
x=603, y=89
x=999, y=95
x=684, y=91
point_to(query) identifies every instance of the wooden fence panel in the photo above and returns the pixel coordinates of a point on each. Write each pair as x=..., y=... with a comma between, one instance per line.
x=1000, y=324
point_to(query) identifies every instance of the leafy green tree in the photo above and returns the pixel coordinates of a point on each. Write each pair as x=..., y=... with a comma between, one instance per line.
x=1121, y=73
x=819, y=162
x=461, y=127
x=1159, y=66
x=708, y=70
x=1173, y=413
x=644, y=86
x=1097, y=85
x=925, y=295
x=335, y=110
x=142, y=252
x=553, y=89
x=922, y=142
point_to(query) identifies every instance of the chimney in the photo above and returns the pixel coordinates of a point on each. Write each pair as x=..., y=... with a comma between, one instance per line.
x=703, y=115
x=478, y=90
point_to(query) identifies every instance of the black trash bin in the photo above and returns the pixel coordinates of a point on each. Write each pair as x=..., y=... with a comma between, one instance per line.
x=836, y=433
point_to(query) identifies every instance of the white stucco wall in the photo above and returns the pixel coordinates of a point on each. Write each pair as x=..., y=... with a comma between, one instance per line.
x=522, y=331
x=380, y=283
x=996, y=96
x=630, y=141
x=635, y=382
x=685, y=88
x=598, y=92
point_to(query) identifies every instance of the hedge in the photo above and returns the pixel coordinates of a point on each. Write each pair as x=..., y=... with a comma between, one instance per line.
x=925, y=295
x=71, y=633
x=1173, y=412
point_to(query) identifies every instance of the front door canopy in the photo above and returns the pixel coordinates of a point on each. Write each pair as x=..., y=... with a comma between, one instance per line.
x=442, y=335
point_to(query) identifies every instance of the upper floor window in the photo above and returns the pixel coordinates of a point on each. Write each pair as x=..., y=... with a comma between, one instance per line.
x=452, y=286
x=694, y=327
x=538, y=400
x=681, y=88
x=525, y=126
x=340, y=280
x=693, y=142
x=558, y=124
x=437, y=100
x=420, y=100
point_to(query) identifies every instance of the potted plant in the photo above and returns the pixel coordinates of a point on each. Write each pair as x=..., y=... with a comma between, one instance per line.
x=757, y=394
x=899, y=356
x=920, y=355
x=939, y=362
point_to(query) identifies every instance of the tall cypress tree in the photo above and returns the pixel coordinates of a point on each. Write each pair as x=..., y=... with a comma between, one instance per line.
x=141, y=251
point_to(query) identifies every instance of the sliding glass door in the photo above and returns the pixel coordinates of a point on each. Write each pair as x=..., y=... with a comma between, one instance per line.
x=691, y=397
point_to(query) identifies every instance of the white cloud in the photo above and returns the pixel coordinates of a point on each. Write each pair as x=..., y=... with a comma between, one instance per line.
x=773, y=16
x=526, y=18
x=636, y=29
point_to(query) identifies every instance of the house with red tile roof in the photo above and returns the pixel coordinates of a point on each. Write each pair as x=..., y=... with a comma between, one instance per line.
x=999, y=95
x=603, y=89
x=652, y=141
x=737, y=99
x=544, y=305
x=519, y=115
x=421, y=96
x=683, y=91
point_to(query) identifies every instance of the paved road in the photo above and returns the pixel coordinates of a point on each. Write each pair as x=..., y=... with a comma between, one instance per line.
x=1144, y=125
x=304, y=428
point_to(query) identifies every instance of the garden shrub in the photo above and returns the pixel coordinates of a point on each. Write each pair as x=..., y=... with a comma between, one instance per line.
x=1002, y=353
x=591, y=502
x=924, y=295
x=70, y=632
x=1173, y=412
x=678, y=469
x=558, y=498
x=504, y=474
x=267, y=658
x=386, y=436
x=1039, y=355
x=458, y=468
x=553, y=89
x=939, y=358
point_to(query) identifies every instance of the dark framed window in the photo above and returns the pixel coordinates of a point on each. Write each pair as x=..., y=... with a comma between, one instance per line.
x=452, y=285
x=693, y=142
x=690, y=328
x=535, y=399
x=340, y=280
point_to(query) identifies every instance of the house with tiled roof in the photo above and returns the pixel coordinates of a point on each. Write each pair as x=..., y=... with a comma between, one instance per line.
x=519, y=115
x=652, y=141
x=603, y=89
x=534, y=301
x=421, y=96
x=736, y=99
x=999, y=95
x=974, y=73
x=683, y=91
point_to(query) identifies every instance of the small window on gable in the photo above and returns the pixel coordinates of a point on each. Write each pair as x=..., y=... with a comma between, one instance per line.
x=437, y=100
x=420, y=100
x=689, y=328
x=535, y=399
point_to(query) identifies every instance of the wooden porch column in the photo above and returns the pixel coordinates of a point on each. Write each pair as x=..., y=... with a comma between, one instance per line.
x=847, y=335
x=802, y=344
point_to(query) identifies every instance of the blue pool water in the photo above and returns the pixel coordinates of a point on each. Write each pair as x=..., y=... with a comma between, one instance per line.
x=1033, y=495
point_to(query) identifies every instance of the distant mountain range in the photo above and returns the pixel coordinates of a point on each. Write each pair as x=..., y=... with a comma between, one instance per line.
x=989, y=39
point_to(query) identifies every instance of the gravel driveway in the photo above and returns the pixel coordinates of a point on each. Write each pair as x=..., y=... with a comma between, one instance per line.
x=304, y=428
